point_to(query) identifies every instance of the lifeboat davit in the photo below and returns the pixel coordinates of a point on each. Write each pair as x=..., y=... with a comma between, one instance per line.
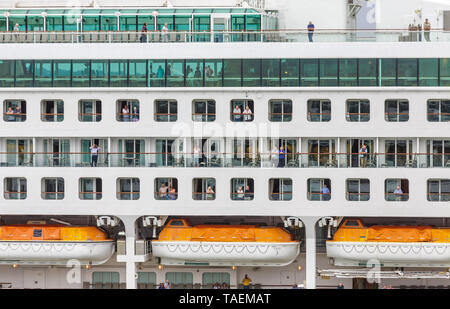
x=354, y=244
x=53, y=245
x=224, y=245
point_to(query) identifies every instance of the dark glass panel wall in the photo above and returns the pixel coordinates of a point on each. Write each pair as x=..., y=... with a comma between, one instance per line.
x=309, y=72
x=232, y=76
x=348, y=72
x=99, y=73
x=328, y=72
x=271, y=72
x=407, y=72
x=290, y=72
x=226, y=73
x=367, y=72
x=81, y=70
x=387, y=72
x=7, y=73
x=445, y=72
x=428, y=72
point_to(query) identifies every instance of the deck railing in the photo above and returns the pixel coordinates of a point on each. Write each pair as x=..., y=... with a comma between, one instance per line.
x=226, y=160
x=291, y=35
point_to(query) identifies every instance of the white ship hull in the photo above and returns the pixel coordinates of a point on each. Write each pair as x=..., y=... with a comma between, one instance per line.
x=55, y=252
x=226, y=253
x=389, y=253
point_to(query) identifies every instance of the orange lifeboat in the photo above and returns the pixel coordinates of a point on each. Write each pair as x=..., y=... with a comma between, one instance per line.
x=354, y=244
x=179, y=243
x=53, y=244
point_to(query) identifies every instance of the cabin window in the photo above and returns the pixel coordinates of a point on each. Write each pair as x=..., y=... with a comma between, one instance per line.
x=242, y=189
x=180, y=280
x=53, y=188
x=321, y=152
x=438, y=110
x=242, y=110
x=396, y=110
x=280, y=110
x=319, y=189
x=203, y=110
x=89, y=110
x=396, y=190
x=128, y=188
x=166, y=189
x=18, y=153
x=204, y=189
x=358, y=189
x=280, y=189
x=90, y=189
x=131, y=153
x=210, y=279
x=15, y=188
x=358, y=110
x=438, y=153
x=399, y=153
x=14, y=110
x=52, y=110
x=105, y=279
x=127, y=111
x=438, y=190
x=166, y=111
x=319, y=110
x=146, y=280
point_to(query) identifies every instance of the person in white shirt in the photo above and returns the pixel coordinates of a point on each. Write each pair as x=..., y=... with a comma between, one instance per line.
x=94, y=154
x=16, y=31
x=247, y=114
x=165, y=34
x=274, y=156
x=240, y=193
x=237, y=113
x=196, y=156
x=163, y=191
x=125, y=113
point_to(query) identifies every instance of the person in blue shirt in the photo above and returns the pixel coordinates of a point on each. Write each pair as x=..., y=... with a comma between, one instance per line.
x=281, y=157
x=326, y=194
x=310, y=31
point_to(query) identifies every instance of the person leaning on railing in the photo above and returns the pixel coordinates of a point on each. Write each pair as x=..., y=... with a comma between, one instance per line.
x=143, y=37
x=310, y=31
x=426, y=30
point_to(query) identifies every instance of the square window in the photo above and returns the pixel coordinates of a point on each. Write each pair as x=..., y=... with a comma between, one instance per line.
x=89, y=110
x=203, y=189
x=14, y=110
x=242, y=189
x=53, y=188
x=280, y=189
x=15, y=188
x=166, y=189
x=52, y=110
x=242, y=110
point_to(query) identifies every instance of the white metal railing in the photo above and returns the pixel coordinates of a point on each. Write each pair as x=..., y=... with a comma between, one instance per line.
x=225, y=36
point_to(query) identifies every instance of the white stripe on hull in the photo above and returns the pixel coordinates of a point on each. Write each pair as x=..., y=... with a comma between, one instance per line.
x=226, y=253
x=390, y=252
x=56, y=252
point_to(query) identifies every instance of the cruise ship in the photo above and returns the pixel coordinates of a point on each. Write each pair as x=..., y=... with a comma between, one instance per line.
x=277, y=144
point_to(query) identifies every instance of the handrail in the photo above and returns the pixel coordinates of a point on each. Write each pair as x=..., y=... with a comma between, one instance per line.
x=256, y=153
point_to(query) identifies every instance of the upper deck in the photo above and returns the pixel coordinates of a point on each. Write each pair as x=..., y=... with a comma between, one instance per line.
x=180, y=25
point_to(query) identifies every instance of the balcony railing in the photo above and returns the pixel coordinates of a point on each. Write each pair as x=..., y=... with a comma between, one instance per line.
x=226, y=160
x=293, y=35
